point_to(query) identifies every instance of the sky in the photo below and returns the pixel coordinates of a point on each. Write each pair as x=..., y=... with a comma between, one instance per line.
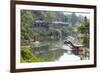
x=79, y=13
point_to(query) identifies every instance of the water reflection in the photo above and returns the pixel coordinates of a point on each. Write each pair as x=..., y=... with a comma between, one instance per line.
x=55, y=53
x=68, y=57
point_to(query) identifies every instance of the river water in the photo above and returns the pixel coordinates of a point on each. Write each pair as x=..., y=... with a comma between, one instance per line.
x=68, y=57
x=62, y=53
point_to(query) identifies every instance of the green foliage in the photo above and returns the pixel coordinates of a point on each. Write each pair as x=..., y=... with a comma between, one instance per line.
x=28, y=56
x=27, y=19
x=47, y=16
x=26, y=31
x=84, y=29
x=86, y=41
x=47, y=33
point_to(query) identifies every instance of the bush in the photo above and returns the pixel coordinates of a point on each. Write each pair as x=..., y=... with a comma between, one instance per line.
x=28, y=56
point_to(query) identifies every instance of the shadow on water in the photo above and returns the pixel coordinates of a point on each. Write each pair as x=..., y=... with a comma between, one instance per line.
x=53, y=52
x=48, y=52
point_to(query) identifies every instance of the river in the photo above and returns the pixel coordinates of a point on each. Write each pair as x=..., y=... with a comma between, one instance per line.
x=62, y=53
x=68, y=57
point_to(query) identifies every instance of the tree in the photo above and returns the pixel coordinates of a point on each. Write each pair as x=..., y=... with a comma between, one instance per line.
x=27, y=18
x=84, y=29
x=47, y=18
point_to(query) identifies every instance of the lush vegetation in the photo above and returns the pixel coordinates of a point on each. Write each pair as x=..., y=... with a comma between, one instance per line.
x=39, y=28
x=29, y=32
x=28, y=56
x=84, y=29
